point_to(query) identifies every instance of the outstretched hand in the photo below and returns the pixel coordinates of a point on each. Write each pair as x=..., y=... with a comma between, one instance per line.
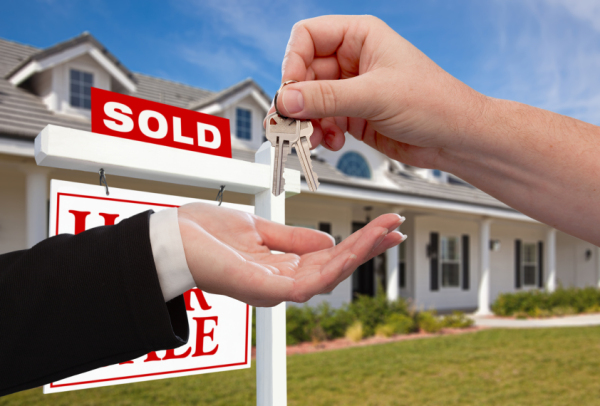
x=229, y=253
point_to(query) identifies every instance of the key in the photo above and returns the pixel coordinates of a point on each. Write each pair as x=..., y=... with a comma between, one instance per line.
x=279, y=132
x=283, y=134
x=303, y=150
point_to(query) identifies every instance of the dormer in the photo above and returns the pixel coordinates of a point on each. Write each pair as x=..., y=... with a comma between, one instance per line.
x=245, y=105
x=432, y=175
x=358, y=161
x=63, y=74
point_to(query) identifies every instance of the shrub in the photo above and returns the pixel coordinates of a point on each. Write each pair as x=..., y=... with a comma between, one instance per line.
x=521, y=315
x=384, y=330
x=429, y=322
x=593, y=309
x=457, y=320
x=563, y=311
x=355, y=332
x=539, y=303
x=401, y=323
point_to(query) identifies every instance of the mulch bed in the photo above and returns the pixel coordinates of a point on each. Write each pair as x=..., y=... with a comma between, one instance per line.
x=339, y=343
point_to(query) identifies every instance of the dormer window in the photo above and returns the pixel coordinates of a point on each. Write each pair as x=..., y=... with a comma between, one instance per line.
x=80, y=89
x=243, y=120
x=353, y=164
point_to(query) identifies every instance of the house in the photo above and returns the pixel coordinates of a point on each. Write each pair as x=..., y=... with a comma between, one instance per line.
x=464, y=246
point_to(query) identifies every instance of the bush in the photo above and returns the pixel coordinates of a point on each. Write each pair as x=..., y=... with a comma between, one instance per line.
x=457, y=320
x=384, y=330
x=563, y=311
x=538, y=303
x=429, y=322
x=355, y=332
x=321, y=323
x=400, y=323
x=593, y=309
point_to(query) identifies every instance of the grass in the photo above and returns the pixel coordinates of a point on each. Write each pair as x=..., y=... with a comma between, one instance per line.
x=491, y=367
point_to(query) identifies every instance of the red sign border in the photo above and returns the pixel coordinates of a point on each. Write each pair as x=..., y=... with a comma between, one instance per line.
x=53, y=385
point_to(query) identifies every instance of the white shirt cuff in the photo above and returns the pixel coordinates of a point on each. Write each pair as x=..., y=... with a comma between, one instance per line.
x=169, y=256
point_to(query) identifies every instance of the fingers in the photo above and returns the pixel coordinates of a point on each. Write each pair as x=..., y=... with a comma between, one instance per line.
x=328, y=98
x=297, y=240
x=339, y=266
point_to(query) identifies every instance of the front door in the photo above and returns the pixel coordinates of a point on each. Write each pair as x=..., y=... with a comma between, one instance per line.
x=363, y=279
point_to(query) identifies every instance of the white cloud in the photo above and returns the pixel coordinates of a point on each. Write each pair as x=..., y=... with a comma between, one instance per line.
x=239, y=38
x=547, y=54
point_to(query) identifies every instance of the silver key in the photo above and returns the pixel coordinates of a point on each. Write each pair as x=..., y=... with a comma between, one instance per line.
x=303, y=150
x=283, y=134
x=279, y=132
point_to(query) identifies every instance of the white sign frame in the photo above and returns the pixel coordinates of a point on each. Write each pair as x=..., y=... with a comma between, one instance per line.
x=61, y=147
x=89, y=197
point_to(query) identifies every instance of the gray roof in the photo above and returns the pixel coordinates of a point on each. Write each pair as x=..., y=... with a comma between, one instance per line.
x=24, y=115
x=168, y=92
x=85, y=37
x=224, y=94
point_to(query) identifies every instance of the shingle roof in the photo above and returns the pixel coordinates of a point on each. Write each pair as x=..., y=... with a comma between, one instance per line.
x=224, y=94
x=80, y=39
x=165, y=91
x=22, y=114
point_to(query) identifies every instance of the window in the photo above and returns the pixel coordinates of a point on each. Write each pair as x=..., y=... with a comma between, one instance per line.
x=80, y=89
x=402, y=278
x=529, y=264
x=353, y=164
x=437, y=173
x=450, y=261
x=243, y=122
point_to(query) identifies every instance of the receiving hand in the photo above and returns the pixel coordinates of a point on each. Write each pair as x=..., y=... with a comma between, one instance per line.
x=391, y=96
x=229, y=253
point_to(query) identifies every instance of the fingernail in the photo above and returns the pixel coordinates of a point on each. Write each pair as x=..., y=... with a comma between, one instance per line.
x=293, y=102
x=329, y=137
x=404, y=237
x=402, y=218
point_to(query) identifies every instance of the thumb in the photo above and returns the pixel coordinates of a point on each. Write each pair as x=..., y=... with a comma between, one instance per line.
x=327, y=98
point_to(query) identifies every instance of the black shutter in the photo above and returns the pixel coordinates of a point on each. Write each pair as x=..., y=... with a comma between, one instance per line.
x=434, y=239
x=518, y=264
x=465, y=262
x=325, y=227
x=540, y=264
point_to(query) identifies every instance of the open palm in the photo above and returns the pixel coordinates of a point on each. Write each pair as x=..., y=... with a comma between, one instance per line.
x=229, y=253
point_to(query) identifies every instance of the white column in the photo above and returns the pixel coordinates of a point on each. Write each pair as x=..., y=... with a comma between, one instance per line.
x=36, y=206
x=271, y=374
x=551, y=260
x=484, y=274
x=392, y=263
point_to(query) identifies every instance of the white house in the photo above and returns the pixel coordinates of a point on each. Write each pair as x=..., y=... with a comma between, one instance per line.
x=464, y=247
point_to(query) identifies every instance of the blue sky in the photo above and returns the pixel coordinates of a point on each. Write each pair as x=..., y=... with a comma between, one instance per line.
x=541, y=52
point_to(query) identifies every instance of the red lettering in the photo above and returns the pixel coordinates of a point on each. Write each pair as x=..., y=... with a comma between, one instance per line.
x=126, y=362
x=79, y=220
x=171, y=354
x=152, y=357
x=199, y=296
x=109, y=219
x=200, y=334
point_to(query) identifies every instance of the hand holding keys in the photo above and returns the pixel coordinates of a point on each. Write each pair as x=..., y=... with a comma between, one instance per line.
x=285, y=133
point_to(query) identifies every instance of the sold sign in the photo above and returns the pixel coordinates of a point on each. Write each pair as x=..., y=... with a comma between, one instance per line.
x=142, y=120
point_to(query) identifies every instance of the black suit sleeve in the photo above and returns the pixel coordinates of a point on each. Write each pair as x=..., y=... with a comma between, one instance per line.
x=75, y=303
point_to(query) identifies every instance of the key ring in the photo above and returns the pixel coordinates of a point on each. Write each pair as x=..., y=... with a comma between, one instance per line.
x=287, y=82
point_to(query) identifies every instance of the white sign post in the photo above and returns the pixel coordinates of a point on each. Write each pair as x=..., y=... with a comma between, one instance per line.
x=67, y=148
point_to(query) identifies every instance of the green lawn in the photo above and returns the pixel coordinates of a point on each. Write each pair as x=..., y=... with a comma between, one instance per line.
x=492, y=367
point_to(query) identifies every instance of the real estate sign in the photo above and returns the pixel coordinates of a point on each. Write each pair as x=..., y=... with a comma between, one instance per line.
x=220, y=327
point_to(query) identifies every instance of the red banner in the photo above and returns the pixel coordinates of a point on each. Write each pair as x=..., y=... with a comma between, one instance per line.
x=123, y=116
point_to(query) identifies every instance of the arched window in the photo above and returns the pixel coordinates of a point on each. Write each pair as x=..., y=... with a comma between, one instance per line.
x=353, y=164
